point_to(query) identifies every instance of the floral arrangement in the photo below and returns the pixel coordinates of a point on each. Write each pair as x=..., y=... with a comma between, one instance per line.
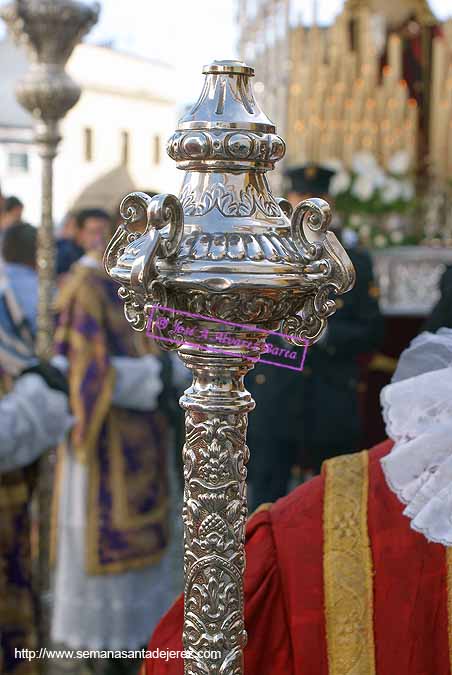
x=375, y=202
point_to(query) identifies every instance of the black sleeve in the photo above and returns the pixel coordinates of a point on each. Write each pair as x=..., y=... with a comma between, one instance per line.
x=441, y=316
x=445, y=283
x=358, y=326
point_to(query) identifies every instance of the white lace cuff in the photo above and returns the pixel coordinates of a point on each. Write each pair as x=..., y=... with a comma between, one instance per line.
x=33, y=418
x=137, y=380
x=138, y=383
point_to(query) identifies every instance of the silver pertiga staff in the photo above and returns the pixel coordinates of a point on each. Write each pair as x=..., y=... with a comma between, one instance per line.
x=49, y=30
x=215, y=269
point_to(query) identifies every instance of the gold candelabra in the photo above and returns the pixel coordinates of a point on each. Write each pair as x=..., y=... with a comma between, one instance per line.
x=338, y=103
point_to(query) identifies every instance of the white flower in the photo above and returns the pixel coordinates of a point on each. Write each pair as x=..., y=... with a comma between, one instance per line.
x=380, y=241
x=364, y=163
x=407, y=190
x=393, y=222
x=356, y=219
x=396, y=237
x=363, y=188
x=333, y=164
x=378, y=176
x=364, y=231
x=391, y=190
x=340, y=183
x=399, y=163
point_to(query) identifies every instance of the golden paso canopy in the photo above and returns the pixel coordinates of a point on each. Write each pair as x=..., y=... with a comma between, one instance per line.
x=395, y=12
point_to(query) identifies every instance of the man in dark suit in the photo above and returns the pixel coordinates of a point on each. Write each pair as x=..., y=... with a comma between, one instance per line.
x=441, y=316
x=313, y=415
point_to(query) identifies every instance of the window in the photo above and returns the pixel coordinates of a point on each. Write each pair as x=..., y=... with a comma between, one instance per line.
x=18, y=161
x=125, y=147
x=156, y=149
x=88, y=144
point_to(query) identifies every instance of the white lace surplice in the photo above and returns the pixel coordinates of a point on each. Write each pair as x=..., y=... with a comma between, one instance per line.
x=417, y=408
x=111, y=611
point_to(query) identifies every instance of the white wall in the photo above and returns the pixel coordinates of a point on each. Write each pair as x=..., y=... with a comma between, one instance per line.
x=119, y=93
x=23, y=184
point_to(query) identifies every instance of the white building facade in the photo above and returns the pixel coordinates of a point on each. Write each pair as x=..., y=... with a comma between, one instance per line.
x=114, y=139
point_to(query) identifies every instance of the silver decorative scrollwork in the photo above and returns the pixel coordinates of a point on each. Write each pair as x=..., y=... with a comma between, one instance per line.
x=228, y=202
x=131, y=255
x=326, y=265
x=190, y=147
x=285, y=206
x=310, y=216
x=214, y=516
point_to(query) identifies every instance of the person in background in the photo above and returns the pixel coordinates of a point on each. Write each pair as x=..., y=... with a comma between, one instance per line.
x=34, y=416
x=313, y=415
x=68, y=226
x=19, y=270
x=11, y=213
x=2, y=205
x=441, y=315
x=113, y=549
x=68, y=249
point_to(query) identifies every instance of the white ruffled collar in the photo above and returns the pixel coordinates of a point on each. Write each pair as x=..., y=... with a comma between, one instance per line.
x=417, y=408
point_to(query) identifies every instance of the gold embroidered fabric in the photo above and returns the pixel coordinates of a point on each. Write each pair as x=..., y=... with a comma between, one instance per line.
x=17, y=618
x=266, y=506
x=145, y=534
x=347, y=566
x=124, y=451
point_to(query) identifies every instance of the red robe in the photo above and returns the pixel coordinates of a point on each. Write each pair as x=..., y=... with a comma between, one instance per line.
x=337, y=583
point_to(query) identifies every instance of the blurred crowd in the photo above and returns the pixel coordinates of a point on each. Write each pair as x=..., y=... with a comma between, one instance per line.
x=108, y=401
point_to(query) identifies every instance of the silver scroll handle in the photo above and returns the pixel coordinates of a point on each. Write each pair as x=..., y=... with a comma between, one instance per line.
x=309, y=224
x=152, y=228
x=131, y=255
x=327, y=265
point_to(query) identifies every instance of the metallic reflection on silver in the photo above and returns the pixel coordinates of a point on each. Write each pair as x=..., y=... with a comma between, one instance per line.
x=227, y=250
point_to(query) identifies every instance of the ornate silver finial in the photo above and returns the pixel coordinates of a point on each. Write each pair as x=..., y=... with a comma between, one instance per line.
x=226, y=129
x=225, y=251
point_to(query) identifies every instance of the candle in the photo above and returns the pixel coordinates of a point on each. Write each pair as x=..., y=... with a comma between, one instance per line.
x=388, y=80
x=449, y=166
x=395, y=56
x=438, y=73
x=443, y=123
x=348, y=151
x=338, y=101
